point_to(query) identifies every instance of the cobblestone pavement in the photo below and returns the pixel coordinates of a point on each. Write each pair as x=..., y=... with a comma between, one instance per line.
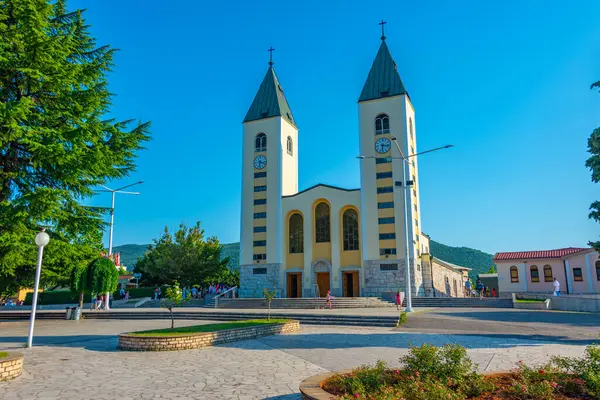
x=78, y=360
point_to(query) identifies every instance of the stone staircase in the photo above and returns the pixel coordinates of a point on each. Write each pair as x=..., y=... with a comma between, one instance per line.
x=460, y=302
x=182, y=314
x=303, y=303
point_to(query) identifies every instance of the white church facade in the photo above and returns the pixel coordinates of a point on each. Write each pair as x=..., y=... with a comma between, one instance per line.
x=349, y=241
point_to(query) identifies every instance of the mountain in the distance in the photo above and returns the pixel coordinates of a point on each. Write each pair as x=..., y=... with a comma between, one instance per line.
x=477, y=260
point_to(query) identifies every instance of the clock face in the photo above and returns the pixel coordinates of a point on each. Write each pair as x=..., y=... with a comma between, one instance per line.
x=260, y=162
x=382, y=145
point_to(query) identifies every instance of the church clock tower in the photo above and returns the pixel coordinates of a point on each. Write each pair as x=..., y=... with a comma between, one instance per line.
x=385, y=113
x=269, y=171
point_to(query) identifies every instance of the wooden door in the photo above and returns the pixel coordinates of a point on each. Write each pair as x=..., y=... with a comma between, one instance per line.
x=356, y=286
x=350, y=284
x=323, y=282
x=294, y=285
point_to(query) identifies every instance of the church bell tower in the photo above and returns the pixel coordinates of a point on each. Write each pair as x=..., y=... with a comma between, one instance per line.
x=269, y=171
x=387, y=114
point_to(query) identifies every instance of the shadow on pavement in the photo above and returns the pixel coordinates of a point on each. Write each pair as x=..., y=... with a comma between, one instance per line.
x=577, y=319
x=104, y=343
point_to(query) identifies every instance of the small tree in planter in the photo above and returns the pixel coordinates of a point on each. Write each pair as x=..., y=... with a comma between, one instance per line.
x=173, y=297
x=104, y=278
x=269, y=296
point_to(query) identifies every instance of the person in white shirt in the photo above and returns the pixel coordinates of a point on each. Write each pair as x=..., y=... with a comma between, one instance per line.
x=556, y=286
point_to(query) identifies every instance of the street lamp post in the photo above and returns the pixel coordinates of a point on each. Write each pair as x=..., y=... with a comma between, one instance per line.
x=112, y=221
x=406, y=183
x=41, y=240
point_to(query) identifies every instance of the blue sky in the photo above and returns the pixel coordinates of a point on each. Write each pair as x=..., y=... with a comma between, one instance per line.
x=506, y=81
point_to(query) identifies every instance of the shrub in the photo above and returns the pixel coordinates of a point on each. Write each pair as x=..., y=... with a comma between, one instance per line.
x=402, y=319
x=588, y=368
x=443, y=363
x=58, y=297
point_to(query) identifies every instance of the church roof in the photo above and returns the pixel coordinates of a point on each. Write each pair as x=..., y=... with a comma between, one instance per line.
x=270, y=101
x=383, y=80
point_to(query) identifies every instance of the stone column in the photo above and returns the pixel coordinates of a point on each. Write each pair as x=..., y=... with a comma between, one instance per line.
x=525, y=276
x=307, y=276
x=569, y=277
x=336, y=273
x=588, y=266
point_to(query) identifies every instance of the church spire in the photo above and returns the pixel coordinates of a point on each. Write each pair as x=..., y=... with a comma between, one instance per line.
x=383, y=80
x=270, y=100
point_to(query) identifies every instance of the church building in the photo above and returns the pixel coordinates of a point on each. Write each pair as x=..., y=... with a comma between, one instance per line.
x=349, y=241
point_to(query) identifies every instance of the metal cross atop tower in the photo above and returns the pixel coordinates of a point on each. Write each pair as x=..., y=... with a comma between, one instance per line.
x=271, y=50
x=382, y=23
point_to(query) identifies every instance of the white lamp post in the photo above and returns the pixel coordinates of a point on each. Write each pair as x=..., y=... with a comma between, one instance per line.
x=41, y=239
x=112, y=222
x=406, y=183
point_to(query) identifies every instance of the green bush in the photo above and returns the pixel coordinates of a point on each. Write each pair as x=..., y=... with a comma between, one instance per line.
x=442, y=363
x=588, y=368
x=402, y=319
x=48, y=298
x=138, y=293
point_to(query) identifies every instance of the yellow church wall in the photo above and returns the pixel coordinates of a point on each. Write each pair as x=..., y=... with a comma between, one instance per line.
x=383, y=167
x=260, y=235
x=387, y=228
x=321, y=251
x=385, y=212
x=260, y=208
x=383, y=197
x=385, y=182
x=295, y=260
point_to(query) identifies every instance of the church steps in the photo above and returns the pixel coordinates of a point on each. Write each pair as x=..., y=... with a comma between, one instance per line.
x=460, y=302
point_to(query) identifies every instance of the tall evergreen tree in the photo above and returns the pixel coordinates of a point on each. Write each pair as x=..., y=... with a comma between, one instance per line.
x=593, y=163
x=56, y=142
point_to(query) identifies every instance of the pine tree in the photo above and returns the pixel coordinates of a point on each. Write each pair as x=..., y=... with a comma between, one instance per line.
x=593, y=163
x=56, y=142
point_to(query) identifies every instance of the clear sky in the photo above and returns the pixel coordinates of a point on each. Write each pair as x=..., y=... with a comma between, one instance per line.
x=506, y=81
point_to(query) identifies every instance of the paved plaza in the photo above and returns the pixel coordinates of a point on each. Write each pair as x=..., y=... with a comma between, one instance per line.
x=78, y=359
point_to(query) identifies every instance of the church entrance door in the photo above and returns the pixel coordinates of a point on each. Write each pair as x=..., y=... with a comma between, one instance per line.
x=294, y=285
x=351, y=284
x=323, y=283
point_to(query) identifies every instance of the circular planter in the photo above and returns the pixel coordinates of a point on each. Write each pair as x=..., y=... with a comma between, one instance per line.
x=11, y=366
x=197, y=340
x=312, y=387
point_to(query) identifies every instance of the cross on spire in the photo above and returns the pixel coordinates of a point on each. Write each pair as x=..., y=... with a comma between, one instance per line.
x=382, y=23
x=271, y=50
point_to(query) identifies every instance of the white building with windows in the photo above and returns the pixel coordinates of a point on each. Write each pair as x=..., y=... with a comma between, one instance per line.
x=350, y=241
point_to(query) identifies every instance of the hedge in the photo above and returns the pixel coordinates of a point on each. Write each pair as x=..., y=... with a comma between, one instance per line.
x=59, y=297
x=137, y=293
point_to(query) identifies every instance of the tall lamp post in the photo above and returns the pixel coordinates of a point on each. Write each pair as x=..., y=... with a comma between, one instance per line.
x=41, y=240
x=406, y=184
x=112, y=220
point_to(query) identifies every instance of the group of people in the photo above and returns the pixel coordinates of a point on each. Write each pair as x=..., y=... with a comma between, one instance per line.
x=11, y=303
x=480, y=289
x=197, y=292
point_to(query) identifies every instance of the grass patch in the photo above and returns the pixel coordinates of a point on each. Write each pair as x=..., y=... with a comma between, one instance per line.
x=530, y=301
x=186, y=330
x=3, y=354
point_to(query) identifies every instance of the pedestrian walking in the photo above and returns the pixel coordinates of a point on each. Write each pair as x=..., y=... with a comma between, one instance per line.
x=398, y=301
x=479, y=286
x=468, y=288
x=329, y=297
x=556, y=286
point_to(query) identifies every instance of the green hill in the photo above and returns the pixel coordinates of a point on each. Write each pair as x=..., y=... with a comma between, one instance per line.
x=479, y=261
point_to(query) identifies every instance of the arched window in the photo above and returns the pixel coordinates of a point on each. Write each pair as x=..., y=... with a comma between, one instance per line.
x=382, y=124
x=350, y=228
x=290, y=145
x=410, y=128
x=514, y=274
x=535, y=274
x=260, y=143
x=322, y=231
x=548, y=273
x=296, y=233
x=598, y=270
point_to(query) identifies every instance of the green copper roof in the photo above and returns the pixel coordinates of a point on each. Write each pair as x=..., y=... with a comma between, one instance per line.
x=270, y=101
x=383, y=80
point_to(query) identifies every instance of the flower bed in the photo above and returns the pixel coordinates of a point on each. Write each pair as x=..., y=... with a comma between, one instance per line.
x=446, y=373
x=194, y=337
x=11, y=365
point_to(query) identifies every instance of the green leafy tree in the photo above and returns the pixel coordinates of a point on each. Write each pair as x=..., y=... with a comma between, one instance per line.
x=174, y=298
x=492, y=270
x=104, y=278
x=80, y=281
x=593, y=163
x=56, y=143
x=186, y=257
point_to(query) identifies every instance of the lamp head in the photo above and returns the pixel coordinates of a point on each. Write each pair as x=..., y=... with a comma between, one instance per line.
x=42, y=238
